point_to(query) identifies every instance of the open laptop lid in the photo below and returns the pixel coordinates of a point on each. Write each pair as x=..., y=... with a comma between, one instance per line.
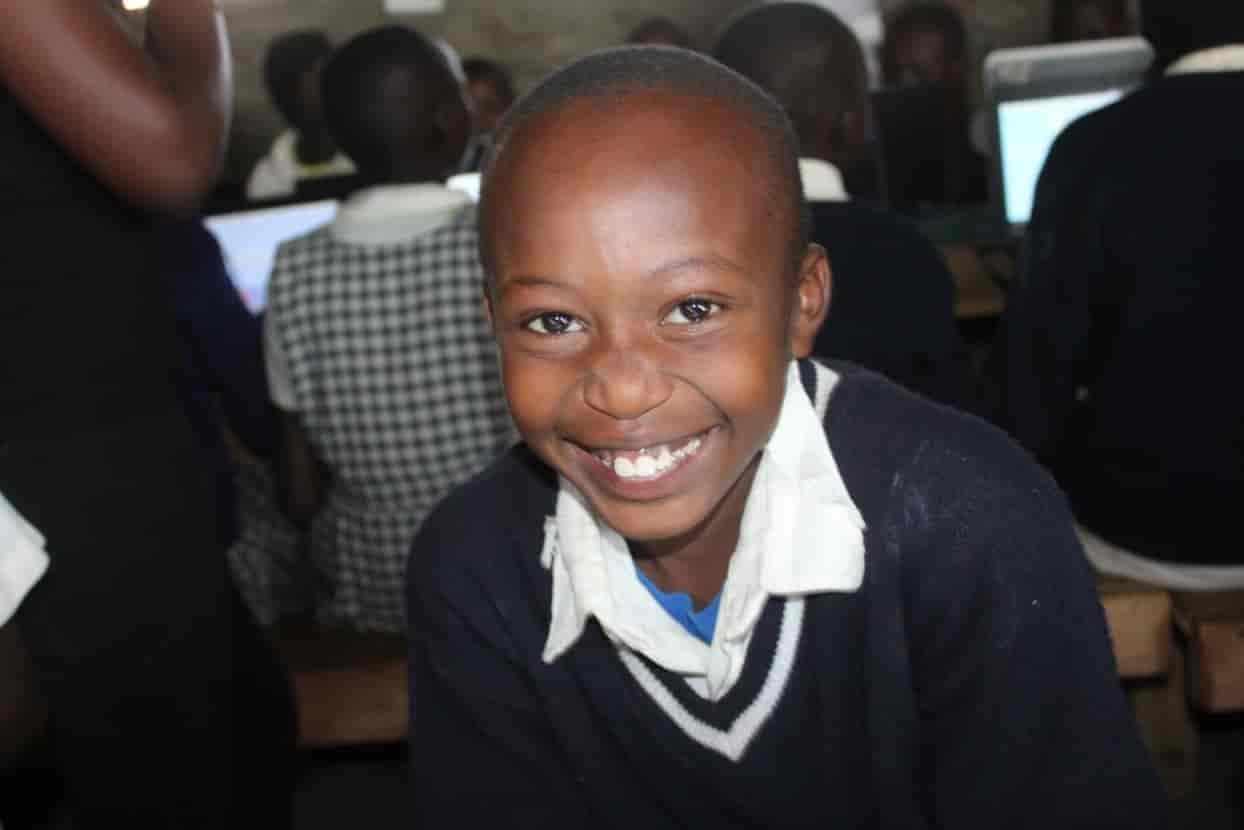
x=1034, y=92
x=249, y=239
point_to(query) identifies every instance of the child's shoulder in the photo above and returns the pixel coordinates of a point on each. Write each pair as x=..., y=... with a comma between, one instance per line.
x=918, y=467
x=482, y=525
x=867, y=409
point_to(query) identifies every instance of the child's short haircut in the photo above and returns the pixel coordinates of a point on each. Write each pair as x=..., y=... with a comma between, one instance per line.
x=381, y=91
x=612, y=73
x=803, y=55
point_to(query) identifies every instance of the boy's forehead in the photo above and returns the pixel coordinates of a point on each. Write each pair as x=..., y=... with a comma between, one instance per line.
x=635, y=122
x=646, y=179
x=583, y=142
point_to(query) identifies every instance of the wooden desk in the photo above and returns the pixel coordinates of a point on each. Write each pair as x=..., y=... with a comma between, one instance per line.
x=977, y=293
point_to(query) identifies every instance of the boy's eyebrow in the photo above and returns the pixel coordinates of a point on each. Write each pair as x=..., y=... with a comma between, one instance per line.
x=686, y=263
x=531, y=281
x=696, y=262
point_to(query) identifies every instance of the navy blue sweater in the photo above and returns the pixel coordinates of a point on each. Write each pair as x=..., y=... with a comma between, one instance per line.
x=968, y=684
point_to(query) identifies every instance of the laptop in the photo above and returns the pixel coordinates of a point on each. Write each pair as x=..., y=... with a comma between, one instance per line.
x=249, y=239
x=1034, y=93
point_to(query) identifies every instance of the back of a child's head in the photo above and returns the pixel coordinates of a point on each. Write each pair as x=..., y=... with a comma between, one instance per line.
x=289, y=58
x=1176, y=29
x=1073, y=20
x=806, y=58
x=394, y=106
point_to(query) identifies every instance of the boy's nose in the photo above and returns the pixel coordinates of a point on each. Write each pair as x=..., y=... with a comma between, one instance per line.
x=625, y=384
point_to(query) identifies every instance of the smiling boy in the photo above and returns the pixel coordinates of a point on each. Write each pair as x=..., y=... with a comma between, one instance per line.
x=718, y=585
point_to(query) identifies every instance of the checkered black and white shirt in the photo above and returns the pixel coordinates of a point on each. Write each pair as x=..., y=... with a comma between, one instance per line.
x=391, y=366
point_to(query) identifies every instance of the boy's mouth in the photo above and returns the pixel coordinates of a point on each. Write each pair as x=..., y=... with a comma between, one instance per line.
x=648, y=463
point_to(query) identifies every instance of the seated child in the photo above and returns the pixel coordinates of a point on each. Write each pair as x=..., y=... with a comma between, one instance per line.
x=305, y=153
x=720, y=585
x=378, y=349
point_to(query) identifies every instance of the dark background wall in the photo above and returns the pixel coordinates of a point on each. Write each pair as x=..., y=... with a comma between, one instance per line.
x=529, y=36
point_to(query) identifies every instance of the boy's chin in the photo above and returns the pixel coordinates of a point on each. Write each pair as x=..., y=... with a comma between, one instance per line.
x=649, y=524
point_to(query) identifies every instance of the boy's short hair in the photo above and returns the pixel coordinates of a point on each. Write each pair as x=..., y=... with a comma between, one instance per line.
x=1063, y=15
x=613, y=73
x=1176, y=29
x=289, y=57
x=802, y=55
x=382, y=90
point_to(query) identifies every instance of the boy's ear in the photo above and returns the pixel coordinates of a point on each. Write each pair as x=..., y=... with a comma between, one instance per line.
x=812, y=296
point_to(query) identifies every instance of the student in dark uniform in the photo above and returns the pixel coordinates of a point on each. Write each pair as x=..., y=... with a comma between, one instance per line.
x=720, y=585
x=1109, y=364
x=893, y=300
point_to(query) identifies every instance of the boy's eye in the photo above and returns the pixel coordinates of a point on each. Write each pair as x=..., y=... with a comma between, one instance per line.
x=688, y=312
x=553, y=322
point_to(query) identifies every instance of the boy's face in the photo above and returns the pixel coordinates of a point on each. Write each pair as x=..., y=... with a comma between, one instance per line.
x=488, y=105
x=647, y=307
x=922, y=56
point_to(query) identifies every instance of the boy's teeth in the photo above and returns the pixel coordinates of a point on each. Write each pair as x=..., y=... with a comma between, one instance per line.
x=649, y=461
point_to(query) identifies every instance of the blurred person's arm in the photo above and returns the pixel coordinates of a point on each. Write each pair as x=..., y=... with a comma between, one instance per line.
x=149, y=124
x=299, y=473
x=22, y=563
x=22, y=713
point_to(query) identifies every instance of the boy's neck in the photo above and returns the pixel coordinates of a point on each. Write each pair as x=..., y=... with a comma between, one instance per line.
x=697, y=562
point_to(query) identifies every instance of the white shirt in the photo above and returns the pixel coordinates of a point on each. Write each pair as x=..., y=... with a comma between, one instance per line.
x=801, y=534
x=22, y=560
x=278, y=173
x=1229, y=58
x=383, y=215
x=822, y=181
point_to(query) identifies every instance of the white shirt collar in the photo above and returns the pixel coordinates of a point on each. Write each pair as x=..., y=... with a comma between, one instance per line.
x=801, y=534
x=396, y=213
x=1228, y=58
x=22, y=559
x=822, y=181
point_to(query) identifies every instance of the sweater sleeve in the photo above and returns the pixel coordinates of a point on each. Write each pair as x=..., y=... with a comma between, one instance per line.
x=1022, y=719
x=484, y=749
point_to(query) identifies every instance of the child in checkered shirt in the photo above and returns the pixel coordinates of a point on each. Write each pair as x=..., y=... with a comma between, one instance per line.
x=378, y=349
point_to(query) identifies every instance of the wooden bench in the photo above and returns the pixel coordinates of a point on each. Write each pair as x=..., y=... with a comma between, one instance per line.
x=1212, y=627
x=351, y=688
x=1140, y=619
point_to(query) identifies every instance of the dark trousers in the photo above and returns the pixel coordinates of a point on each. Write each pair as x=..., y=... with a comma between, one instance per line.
x=167, y=707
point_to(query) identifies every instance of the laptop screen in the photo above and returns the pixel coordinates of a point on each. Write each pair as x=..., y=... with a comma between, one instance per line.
x=249, y=239
x=1026, y=131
